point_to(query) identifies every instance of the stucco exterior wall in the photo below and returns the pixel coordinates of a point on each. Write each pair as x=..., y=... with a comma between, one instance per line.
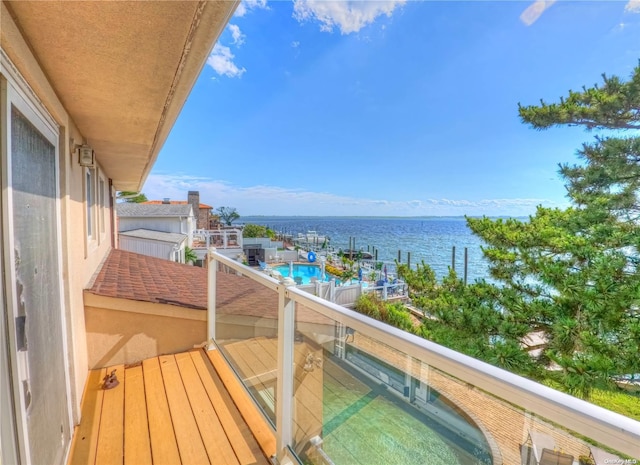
x=79, y=259
x=123, y=331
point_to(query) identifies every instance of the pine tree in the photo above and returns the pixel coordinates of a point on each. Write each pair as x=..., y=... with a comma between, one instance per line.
x=566, y=278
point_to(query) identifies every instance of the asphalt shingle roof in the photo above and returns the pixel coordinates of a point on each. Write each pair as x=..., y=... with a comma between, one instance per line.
x=127, y=275
x=134, y=210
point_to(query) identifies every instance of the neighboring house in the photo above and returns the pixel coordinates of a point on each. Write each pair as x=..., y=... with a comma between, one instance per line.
x=89, y=92
x=201, y=211
x=169, y=246
x=177, y=219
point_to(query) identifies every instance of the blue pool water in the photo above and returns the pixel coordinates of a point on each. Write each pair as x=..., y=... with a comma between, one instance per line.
x=305, y=272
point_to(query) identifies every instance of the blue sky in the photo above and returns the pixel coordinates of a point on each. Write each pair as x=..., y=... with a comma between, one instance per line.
x=390, y=108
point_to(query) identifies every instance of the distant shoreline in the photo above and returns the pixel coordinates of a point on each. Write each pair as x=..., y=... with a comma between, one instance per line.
x=459, y=217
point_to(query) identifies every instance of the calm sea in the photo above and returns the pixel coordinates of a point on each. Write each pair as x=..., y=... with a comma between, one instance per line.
x=428, y=239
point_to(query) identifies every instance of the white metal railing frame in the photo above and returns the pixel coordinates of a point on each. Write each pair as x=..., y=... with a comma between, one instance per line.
x=609, y=428
x=224, y=234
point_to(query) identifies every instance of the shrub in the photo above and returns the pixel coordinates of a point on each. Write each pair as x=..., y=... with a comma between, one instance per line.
x=394, y=314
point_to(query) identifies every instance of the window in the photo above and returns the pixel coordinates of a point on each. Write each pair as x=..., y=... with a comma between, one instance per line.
x=101, y=201
x=89, y=191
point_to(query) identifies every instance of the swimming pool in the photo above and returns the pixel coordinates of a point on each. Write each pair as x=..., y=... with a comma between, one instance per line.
x=304, y=272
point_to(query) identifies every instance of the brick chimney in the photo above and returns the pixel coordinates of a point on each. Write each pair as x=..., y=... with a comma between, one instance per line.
x=193, y=199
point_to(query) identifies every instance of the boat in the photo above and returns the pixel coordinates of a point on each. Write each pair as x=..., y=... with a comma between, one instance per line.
x=311, y=238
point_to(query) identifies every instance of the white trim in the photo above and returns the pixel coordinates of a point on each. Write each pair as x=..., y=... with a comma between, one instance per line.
x=9, y=446
x=101, y=188
x=16, y=92
x=22, y=87
x=90, y=211
x=286, y=378
x=212, y=268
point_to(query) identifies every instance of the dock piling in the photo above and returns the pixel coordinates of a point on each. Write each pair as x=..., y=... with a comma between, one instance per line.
x=453, y=258
x=466, y=260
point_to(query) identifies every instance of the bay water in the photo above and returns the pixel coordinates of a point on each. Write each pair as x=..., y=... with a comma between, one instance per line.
x=428, y=239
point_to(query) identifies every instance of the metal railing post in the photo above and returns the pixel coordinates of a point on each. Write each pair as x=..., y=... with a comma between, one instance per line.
x=284, y=386
x=212, y=269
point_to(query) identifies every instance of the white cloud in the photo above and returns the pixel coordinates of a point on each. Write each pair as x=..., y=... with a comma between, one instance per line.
x=248, y=5
x=533, y=12
x=348, y=16
x=273, y=200
x=221, y=60
x=238, y=36
x=632, y=6
x=295, y=44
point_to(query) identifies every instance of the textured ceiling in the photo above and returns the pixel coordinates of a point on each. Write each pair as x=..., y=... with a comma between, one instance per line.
x=122, y=69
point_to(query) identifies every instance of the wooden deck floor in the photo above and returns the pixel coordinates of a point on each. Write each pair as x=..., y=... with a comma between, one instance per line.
x=172, y=409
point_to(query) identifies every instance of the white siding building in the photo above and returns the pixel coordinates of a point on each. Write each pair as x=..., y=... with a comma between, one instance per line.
x=176, y=219
x=169, y=246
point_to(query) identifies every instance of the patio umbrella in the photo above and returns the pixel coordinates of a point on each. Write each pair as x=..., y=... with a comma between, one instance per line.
x=385, y=272
x=291, y=269
x=359, y=274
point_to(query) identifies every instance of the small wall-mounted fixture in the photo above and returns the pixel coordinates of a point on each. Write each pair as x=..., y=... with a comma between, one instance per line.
x=86, y=156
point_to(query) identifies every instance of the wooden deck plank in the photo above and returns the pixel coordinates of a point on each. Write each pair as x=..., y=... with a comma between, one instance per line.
x=236, y=438
x=250, y=363
x=110, y=440
x=192, y=450
x=137, y=446
x=85, y=437
x=213, y=436
x=164, y=448
x=256, y=422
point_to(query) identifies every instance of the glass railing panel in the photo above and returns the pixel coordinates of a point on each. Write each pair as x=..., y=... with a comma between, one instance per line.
x=481, y=426
x=375, y=394
x=358, y=400
x=246, y=331
x=312, y=333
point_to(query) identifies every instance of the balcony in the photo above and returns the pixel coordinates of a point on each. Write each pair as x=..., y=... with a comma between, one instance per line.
x=171, y=409
x=314, y=382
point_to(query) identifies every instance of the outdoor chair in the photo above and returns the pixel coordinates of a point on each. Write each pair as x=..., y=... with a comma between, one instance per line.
x=552, y=457
x=539, y=441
